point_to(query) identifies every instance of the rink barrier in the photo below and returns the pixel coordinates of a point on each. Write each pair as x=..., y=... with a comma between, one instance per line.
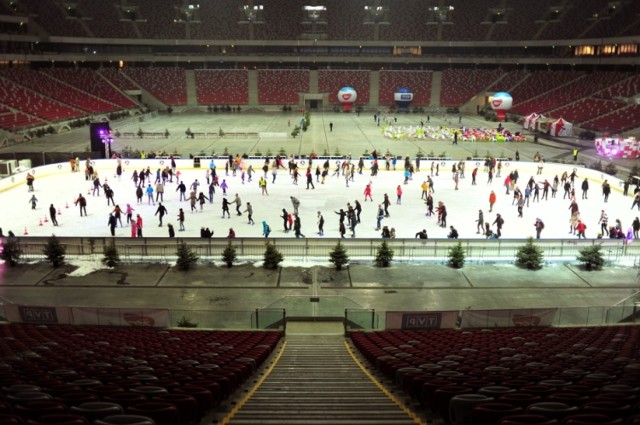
x=107, y=167
x=163, y=250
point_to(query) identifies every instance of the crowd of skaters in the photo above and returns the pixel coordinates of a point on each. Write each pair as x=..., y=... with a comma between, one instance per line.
x=154, y=183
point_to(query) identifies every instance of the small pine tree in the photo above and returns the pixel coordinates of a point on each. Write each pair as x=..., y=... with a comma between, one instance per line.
x=11, y=251
x=384, y=255
x=229, y=255
x=186, y=257
x=591, y=257
x=272, y=257
x=54, y=251
x=111, y=255
x=529, y=256
x=338, y=256
x=457, y=256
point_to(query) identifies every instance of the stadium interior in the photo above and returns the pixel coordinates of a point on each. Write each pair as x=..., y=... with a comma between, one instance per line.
x=94, y=350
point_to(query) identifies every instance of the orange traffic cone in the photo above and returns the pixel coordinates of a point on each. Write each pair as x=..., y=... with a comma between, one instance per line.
x=67, y=206
x=40, y=223
x=46, y=220
x=25, y=231
x=60, y=212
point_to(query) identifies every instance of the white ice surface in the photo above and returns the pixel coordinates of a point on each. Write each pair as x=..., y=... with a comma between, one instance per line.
x=408, y=218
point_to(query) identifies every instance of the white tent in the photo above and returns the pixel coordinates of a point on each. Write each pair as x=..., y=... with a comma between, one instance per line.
x=561, y=128
x=527, y=121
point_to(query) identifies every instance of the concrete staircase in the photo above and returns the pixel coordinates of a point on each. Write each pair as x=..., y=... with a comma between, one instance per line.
x=316, y=381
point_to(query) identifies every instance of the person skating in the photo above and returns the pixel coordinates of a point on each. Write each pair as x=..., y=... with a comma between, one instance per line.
x=82, y=203
x=139, y=225
x=320, y=224
x=129, y=212
x=453, y=233
x=297, y=226
x=520, y=205
x=603, y=221
x=367, y=192
x=429, y=203
x=310, y=177
x=296, y=204
x=172, y=232
x=159, y=192
x=499, y=222
x=249, y=211
x=231, y=234
x=386, y=234
x=225, y=208
x=108, y=193
x=181, y=220
x=636, y=201
x=160, y=212
x=150, y=195
x=358, y=209
x=443, y=214
x=606, y=190
x=480, y=221
x=238, y=203
x=635, y=225
x=201, y=200
x=285, y=219
x=33, y=201
x=139, y=194
x=182, y=188
x=265, y=229
x=386, y=202
x=52, y=214
x=263, y=186
x=585, y=188
x=580, y=229
x=539, y=225
x=492, y=200
x=474, y=174
x=112, y=224
x=342, y=214
x=30, y=179
x=380, y=216
x=422, y=234
x=192, y=200
x=117, y=212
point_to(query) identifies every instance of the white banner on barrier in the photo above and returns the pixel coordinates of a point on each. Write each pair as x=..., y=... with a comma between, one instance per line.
x=420, y=320
x=508, y=318
x=120, y=317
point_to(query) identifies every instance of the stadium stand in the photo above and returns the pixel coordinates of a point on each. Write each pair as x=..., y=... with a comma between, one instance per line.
x=574, y=90
x=521, y=23
x=87, y=371
x=169, y=85
x=418, y=81
x=89, y=81
x=409, y=23
x=218, y=20
x=625, y=117
x=106, y=20
x=460, y=85
x=222, y=86
x=571, y=22
x=624, y=89
x=331, y=81
x=281, y=87
x=159, y=20
x=30, y=102
x=283, y=18
x=517, y=367
x=509, y=80
x=55, y=89
x=347, y=23
x=118, y=78
x=467, y=20
x=538, y=83
x=53, y=18
x=585, y=109
x=12, y=121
